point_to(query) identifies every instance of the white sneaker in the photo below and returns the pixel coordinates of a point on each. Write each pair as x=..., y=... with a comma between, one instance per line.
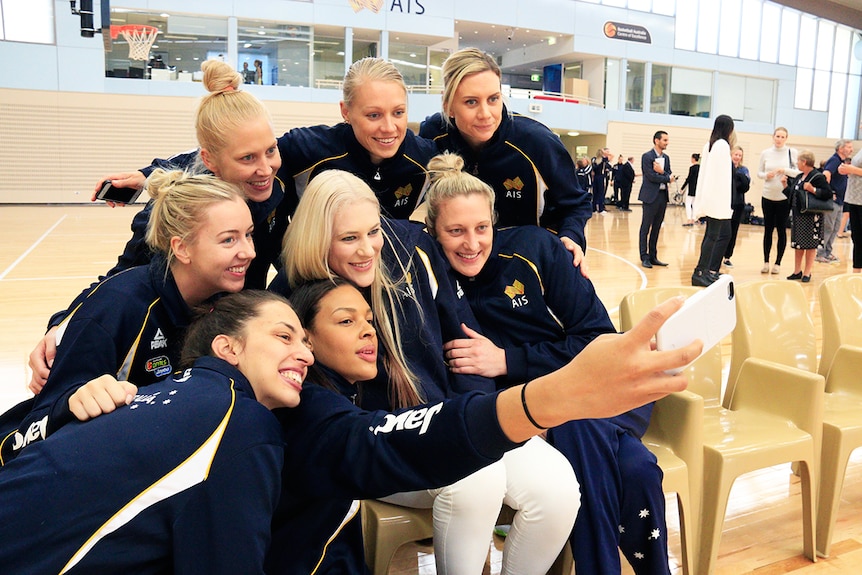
x=776, y=269
x=765, y=268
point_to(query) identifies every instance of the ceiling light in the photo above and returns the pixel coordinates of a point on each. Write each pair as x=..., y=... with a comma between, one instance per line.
x=165, y=15
x=574, y=134
x=247, y=45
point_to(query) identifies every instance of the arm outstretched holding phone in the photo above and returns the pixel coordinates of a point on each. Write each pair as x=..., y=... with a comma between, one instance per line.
x=583, y=389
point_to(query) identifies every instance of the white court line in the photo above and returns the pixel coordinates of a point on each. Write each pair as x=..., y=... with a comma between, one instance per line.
x=628, y=263
x=30, y=249
x=48, y=278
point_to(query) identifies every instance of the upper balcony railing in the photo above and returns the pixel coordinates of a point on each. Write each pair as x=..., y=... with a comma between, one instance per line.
x=511, y=93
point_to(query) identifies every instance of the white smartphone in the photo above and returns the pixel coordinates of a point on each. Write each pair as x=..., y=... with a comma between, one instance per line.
x=709, y=315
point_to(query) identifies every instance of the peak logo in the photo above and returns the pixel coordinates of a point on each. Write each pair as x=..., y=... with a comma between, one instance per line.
x=403, y=6
x=159, y=341
x=412, y=419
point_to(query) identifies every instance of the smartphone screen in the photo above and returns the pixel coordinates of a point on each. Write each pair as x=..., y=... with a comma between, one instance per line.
x=109, y=193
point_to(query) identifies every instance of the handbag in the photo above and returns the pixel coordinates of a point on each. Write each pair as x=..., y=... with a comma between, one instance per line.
x=811, y=204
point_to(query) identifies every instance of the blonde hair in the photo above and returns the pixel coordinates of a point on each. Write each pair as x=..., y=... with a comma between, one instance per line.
x=807, y=156
x=459, y=65
x=180, y=201
x=225, y=108
x=780, y=129
x=449, y=180
x=306, y=258
x=369, y=70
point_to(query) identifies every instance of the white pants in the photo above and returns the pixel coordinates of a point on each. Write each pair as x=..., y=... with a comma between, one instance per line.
x=535, y=480
x=689, y=207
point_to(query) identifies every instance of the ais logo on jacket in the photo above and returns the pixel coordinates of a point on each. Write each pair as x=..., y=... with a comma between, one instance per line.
x=516, y=294
x=402, y=195
x=513, y=187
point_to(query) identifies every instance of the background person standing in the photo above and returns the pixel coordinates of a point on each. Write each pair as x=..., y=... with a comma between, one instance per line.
x=838, y=183
x=625, y=177
x=775, y=162
x=655, y=166
x=714, y=198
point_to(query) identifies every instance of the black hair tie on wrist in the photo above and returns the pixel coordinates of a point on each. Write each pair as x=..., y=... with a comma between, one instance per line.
x=526, y=409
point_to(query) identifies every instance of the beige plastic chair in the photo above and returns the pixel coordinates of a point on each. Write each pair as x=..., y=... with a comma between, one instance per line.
x=841, y=363
x=675, y=433
x=775, y=325
x=386, y=527
x=775, y=416
x=841, y=315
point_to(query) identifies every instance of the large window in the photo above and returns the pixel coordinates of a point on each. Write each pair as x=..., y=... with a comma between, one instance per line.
x=820, y=51
x=635, y=73
x=659, y=94
x=183, y=43
x=411, y=61
x=27, y=21
x=690, y=92
x=328, y=58
x=281, y=49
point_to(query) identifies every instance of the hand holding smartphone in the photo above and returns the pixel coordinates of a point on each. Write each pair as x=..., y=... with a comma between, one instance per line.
x=109, y=193
x=709, y=315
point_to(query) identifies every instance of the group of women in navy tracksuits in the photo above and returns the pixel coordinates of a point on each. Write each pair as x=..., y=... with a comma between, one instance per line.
x=423, y=300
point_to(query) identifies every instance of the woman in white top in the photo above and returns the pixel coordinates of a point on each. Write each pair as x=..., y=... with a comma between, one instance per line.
x=775, y=162
x=713, y=199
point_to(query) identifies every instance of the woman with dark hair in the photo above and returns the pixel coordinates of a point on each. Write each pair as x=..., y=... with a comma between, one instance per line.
x=714, y=184
x=691, y=183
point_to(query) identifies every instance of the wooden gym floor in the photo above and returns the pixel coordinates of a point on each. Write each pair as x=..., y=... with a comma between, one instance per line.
x=48, y=254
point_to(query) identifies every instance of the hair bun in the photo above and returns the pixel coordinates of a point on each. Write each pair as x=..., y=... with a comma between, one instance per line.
x=220, y=77
x=161, y=181
x=445, y=165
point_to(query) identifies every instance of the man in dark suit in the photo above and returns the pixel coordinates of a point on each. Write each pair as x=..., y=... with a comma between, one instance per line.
x=625, y=178
x=655, y=166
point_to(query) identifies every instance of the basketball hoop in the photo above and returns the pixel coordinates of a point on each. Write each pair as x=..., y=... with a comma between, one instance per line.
x=140, y=38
